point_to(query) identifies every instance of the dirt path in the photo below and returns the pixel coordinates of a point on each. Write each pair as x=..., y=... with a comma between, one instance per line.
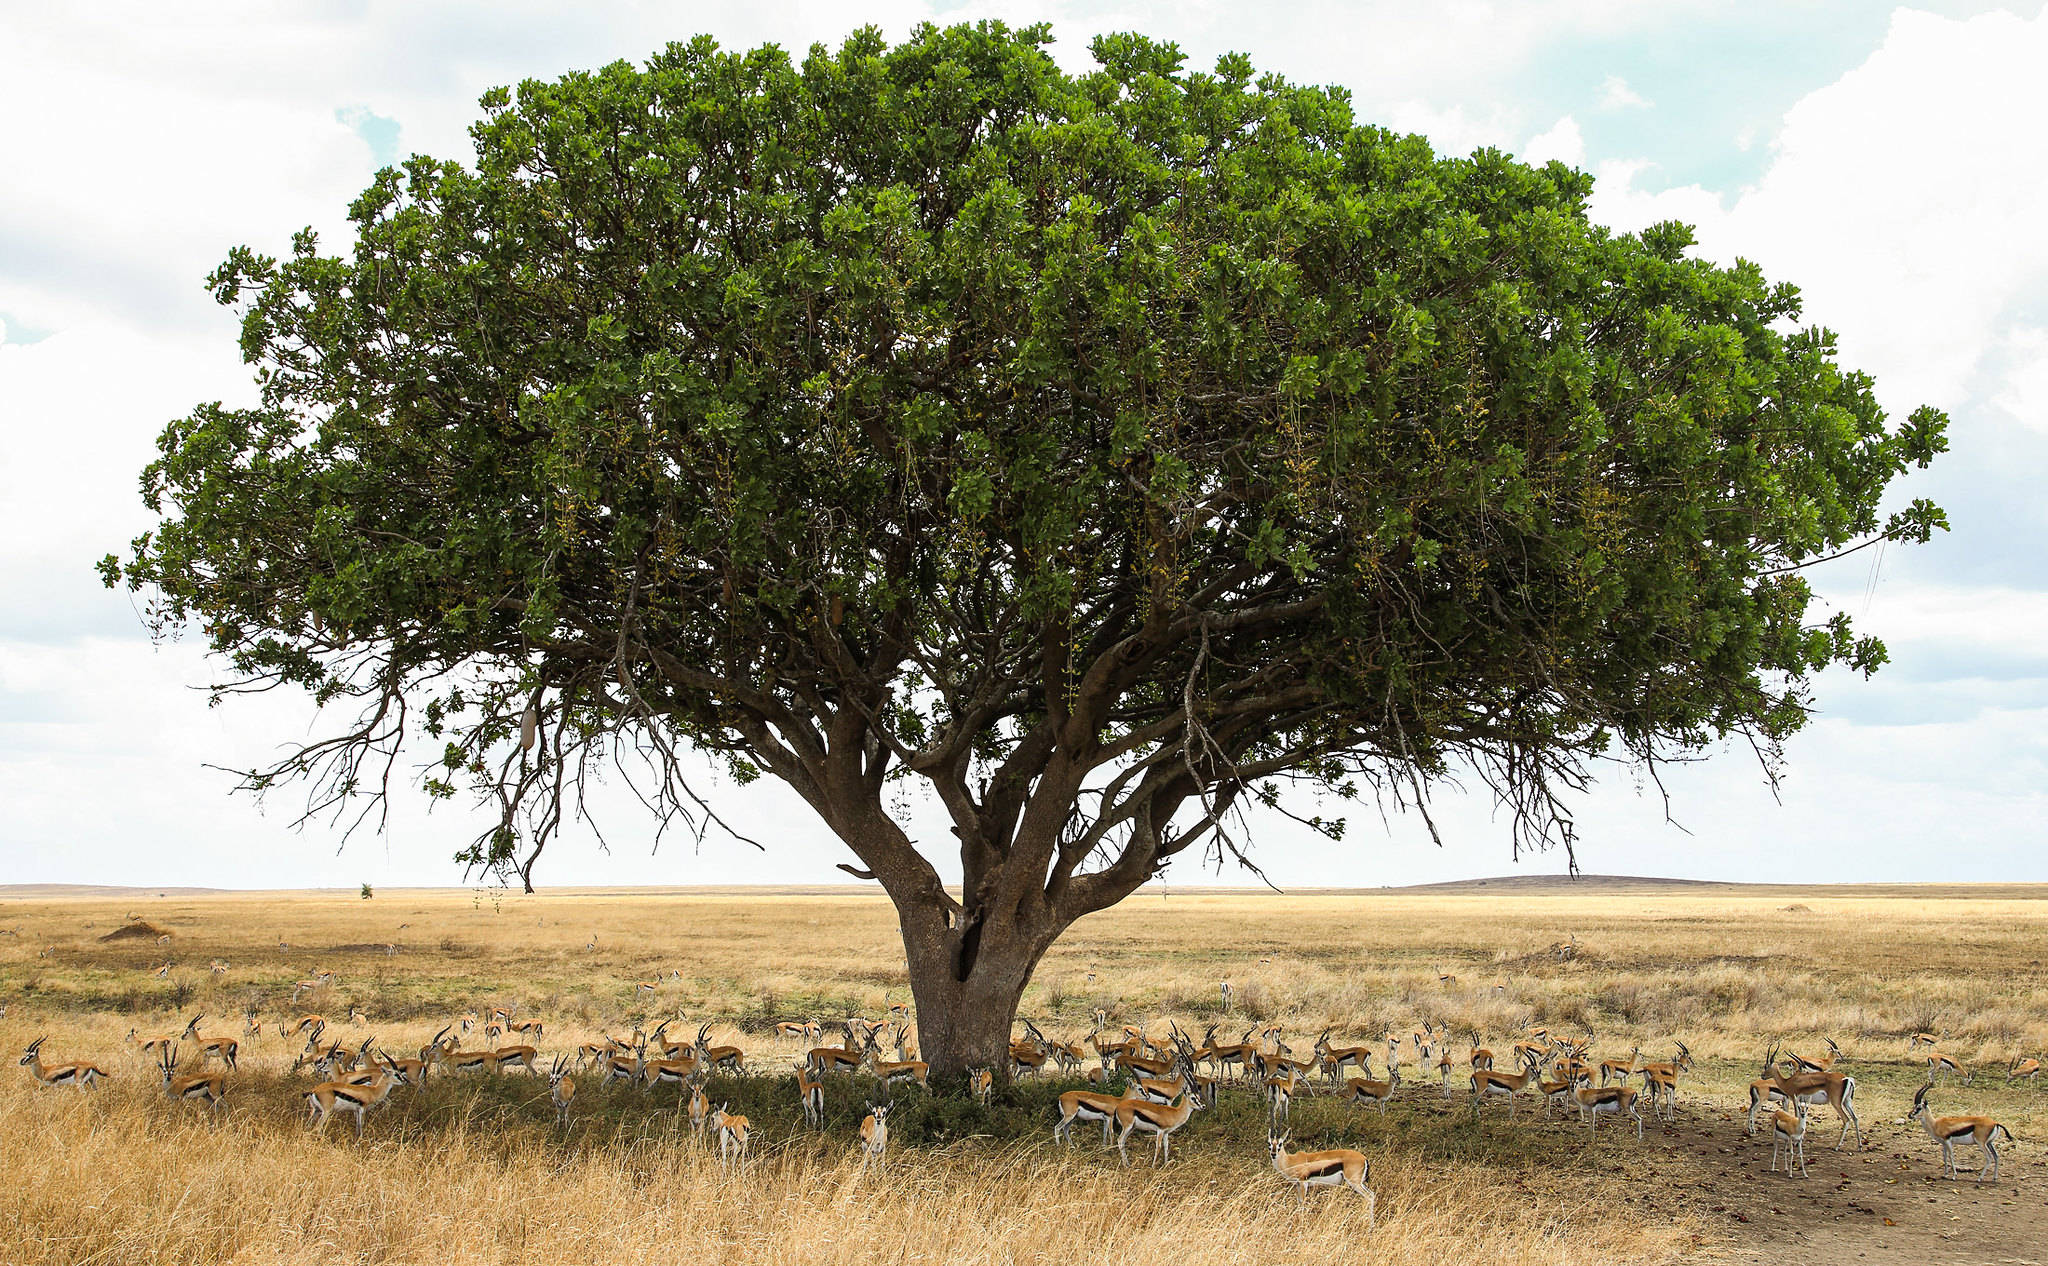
x=1886, y=1203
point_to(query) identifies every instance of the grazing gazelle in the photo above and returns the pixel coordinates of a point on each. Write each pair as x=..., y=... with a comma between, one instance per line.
x=2021, y=1068
x=800, y=1030
x=561, y=1089
x=81, y=1075
x=1948, y=1131
x=1938, y=1063
x=874, y=1134
x=1365, y=1090
x=1336, y=1167
x=210, y=1089
x=330, y=1097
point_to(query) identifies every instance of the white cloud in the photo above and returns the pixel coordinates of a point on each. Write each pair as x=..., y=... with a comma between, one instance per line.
x=1904, y=199
x=2025, y=393
x=1562, y=143
x=1615, y=94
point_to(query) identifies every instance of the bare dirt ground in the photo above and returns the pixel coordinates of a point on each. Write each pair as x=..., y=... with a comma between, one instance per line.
x=1886, y=1203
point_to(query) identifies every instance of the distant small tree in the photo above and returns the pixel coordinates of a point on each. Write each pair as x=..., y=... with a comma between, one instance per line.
x=1102, y=452
x=366, y=892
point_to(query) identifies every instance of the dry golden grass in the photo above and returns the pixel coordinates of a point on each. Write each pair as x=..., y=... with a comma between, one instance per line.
x=474, y=1170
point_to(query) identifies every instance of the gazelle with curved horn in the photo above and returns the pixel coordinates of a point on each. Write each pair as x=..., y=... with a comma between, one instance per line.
x=1332, y=1168
x=415, y=1070
x=1159, y=1120
x=1948, y=1131
x=1837, y=1090
x=1031, y=1053
x=849, y=1056
x=1806, y=1065
x=2021, y=1069
x=330, y=1097
x=210, y=1089
x=222, y=1045
x=561, y=1090
x=79, y=1074
x=981, y=1083
x=713, y=1058
x=891, y=1071
x=1487, y=1081
x=1222, y=1055
x=1332, y=1059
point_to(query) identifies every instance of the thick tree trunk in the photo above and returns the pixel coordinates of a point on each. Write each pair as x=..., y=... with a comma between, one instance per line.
x=966, y=1023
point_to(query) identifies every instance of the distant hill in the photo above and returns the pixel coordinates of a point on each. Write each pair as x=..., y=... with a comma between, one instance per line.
x=1569, y=883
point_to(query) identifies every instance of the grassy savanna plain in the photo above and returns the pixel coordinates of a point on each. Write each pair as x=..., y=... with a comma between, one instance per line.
x=474, y=1169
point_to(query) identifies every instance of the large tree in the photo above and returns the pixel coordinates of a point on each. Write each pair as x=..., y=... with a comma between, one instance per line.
x=1102, y=453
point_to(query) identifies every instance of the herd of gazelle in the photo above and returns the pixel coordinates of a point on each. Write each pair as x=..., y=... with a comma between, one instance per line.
x=1164, y=1084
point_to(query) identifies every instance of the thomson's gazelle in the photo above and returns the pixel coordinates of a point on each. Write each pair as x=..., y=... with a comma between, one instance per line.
x=1948, y=1131
x=1336, y=1167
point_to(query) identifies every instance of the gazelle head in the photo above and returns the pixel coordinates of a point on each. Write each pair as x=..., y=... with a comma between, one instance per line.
x=1685, y=1055
x=192, y=1029
x=1770, y=1060
x=1834, y=1050
x=35, y=1050
x=557, y=1071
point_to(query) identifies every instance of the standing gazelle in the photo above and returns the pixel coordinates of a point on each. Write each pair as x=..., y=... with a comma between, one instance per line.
x=223, y=1045
x=81, y=1075
x=1486, y=1081
x=874, y=1135
x=1788, y=1130
x=562, y=1090
x=330, y=1097
x=1948, y=1131
x=1159, y=1120
x=734, y=1132
x=810, y=1091
x=1338, y=1166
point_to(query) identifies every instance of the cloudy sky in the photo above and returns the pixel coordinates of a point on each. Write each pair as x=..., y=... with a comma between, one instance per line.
x=1892, y=163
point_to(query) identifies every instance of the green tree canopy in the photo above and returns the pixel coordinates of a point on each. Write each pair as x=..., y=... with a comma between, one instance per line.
x=1103, y=452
